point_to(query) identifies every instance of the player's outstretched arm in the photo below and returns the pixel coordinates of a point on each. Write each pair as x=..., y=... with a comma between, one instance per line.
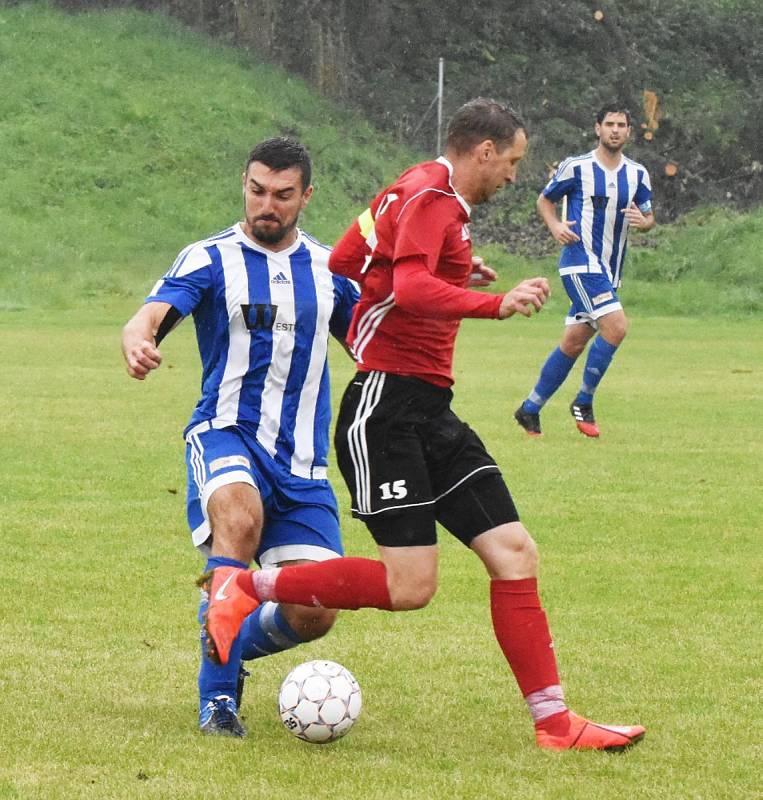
x=527, y=296
x=139, y=339
x=419, y=292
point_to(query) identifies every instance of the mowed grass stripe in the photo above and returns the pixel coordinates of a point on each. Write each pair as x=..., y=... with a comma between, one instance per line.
x=650, y=561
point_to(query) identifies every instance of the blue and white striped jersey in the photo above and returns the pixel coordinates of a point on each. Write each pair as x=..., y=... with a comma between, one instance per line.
x=262, y=323
x=596, y=197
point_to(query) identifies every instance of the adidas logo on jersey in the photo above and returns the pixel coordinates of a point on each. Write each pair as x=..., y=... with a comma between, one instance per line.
x=280, y=278
x=611, y=185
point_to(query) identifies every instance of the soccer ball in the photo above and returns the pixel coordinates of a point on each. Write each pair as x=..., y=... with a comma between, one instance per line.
x=319, y=701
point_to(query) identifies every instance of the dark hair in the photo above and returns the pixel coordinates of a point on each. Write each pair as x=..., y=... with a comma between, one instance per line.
x=280, y=153
x=613, y=108
x=481, y=119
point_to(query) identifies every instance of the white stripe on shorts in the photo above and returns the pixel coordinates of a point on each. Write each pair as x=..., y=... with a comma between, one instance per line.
x=582, y=294
x=197, y=460
x=356, y=438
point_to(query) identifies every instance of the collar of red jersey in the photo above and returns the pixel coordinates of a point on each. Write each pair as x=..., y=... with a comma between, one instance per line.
x=444, y=161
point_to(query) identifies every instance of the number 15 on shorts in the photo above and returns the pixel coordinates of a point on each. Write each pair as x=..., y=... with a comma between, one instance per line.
x=395, y=490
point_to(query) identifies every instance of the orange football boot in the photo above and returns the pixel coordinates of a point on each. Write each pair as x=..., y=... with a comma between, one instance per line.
x=580, y=734
x=228, y=607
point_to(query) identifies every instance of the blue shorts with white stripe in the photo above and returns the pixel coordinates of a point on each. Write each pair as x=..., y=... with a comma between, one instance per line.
x=591, y=297
x=301, y=516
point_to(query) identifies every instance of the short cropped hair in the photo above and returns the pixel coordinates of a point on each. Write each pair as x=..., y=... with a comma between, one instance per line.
x=613, y=108
x=282, y=152
x=482, y=119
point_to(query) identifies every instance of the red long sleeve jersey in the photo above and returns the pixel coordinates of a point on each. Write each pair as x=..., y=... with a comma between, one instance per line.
x=411, y=253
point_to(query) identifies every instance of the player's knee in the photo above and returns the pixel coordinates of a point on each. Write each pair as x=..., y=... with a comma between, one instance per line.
x=508, y=552
x=619, y=332
x=572, y=349
x=237, y=521
x=235, y=513
x=574, y=340
x=411, y=596
x=519, y=549
x=528, y=553
x=310, y=623
x=412, y=583
x=615, y=330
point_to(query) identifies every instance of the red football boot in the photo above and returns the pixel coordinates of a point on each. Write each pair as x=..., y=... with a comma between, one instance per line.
x=584, y=419
x=568, y=731
x=228, y=607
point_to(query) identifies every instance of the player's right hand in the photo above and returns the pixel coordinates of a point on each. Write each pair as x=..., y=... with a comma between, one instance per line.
x=562, y=231
x=523, y=298
x=141, y=359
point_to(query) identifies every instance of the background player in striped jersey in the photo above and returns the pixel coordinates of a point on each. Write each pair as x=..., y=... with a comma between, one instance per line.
x=607, y=194
x=407, y=459
x=264, y=303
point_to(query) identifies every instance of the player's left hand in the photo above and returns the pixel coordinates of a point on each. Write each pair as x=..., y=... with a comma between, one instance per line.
x=634, y=216
x=527, y=296
x=141, y=358
x=482, y=274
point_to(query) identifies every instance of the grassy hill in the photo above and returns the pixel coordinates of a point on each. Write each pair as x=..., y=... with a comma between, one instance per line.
x=123, y=135
x=123, y=138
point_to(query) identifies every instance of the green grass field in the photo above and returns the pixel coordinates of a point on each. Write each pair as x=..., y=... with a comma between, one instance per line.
x=123, y=135
x=650, y=542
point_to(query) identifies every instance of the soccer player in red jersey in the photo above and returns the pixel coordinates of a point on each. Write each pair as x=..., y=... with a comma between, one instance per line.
x=408, y=460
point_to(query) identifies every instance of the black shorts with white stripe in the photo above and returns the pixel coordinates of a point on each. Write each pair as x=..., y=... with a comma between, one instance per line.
x=408, y=460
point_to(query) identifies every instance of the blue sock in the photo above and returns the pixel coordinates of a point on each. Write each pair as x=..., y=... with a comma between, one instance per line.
x=552, y=375
x=599, y=358
x=265, y=631
x=216, y=679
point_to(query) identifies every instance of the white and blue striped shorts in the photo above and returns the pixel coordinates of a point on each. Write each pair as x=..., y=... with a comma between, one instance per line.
x=592, y=296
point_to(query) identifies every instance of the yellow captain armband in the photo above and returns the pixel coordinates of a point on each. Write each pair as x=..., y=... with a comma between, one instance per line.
x=366, y=223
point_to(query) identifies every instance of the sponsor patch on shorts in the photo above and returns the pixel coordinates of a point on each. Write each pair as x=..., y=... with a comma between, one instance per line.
x=601, y=298
x=229, y=461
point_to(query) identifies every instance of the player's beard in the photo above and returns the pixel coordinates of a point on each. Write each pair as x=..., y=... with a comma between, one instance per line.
x=272, y=235
x=614, y=149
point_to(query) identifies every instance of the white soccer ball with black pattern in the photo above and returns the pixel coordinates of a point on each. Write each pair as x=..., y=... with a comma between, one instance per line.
x=319, y=701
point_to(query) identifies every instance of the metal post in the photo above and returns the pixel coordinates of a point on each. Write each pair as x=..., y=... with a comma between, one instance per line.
x=440, y=81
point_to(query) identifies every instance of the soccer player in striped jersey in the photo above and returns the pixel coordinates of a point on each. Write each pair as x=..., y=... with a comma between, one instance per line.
x=263, y=302
x=606, y=194
x=408, y=460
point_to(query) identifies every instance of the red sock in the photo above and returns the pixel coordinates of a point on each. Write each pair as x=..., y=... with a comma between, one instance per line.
x=521, y=628
x=337, y=583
